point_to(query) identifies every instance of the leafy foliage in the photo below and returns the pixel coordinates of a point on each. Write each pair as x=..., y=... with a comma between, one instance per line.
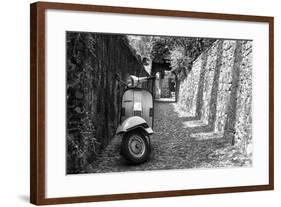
x=161, y=49
x=141, y=44
x=81, y=147
x=81, y=142
x=180, y=52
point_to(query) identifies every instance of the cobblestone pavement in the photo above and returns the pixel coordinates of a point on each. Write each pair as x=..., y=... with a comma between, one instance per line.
x=172, y=148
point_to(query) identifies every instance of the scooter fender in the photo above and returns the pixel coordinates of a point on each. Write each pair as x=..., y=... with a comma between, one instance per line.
x=132, y=123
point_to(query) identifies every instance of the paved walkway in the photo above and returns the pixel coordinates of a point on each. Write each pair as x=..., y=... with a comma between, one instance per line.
x=172, y=148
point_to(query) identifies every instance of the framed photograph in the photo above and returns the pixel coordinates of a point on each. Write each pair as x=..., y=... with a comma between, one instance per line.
x=130, y=103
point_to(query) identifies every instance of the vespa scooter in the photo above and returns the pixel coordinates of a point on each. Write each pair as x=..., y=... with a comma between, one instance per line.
x=136, y=120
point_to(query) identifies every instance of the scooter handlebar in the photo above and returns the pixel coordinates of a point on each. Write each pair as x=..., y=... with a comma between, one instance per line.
x=141, y=79
x=134, y=79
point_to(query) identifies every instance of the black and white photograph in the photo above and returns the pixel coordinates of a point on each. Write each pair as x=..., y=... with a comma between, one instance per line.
x=147, y=102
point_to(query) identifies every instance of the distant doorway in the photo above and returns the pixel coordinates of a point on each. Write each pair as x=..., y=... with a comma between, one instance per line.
x=165, y=86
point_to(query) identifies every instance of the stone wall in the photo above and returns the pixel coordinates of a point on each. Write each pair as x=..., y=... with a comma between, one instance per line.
x=209, y=80
x=222, y=93
x=243, y=123
x=225, y=81
x=189, y=87
x=226, y=93
x=93, y=93
x=206, y=84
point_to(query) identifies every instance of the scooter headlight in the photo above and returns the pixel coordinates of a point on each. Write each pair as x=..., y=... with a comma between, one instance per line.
x=130, y=82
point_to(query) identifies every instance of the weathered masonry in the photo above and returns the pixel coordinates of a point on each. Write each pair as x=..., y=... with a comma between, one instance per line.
x=216, y=96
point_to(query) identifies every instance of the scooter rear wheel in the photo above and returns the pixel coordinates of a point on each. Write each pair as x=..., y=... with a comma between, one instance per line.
x=135, y=147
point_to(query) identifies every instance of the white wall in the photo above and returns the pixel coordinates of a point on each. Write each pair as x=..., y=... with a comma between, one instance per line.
x=14, y=104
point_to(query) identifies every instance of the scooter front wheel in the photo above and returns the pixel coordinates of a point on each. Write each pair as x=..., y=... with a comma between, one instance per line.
x=135, y=147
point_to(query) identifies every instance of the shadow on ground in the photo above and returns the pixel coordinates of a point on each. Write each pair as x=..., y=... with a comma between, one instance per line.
x=172, y=148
